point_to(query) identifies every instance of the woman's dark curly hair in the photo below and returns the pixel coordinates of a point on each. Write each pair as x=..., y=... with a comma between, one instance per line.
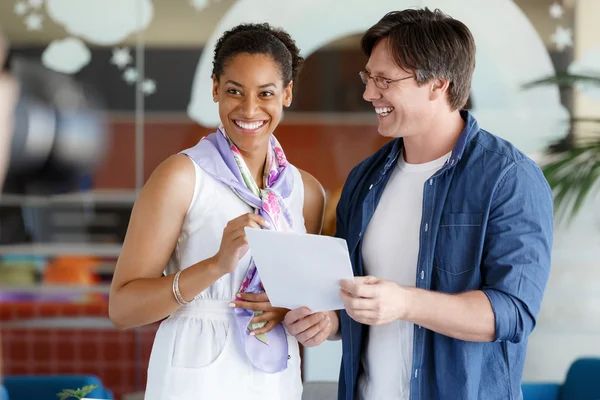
x=259, y=39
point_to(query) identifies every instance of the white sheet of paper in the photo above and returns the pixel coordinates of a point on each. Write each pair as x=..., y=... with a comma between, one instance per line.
x=300, y=270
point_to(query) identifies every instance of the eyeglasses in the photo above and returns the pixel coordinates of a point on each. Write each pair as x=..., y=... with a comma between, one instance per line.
x=380, y=82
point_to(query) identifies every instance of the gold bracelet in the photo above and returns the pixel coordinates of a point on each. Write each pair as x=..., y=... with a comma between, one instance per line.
x=180, y=300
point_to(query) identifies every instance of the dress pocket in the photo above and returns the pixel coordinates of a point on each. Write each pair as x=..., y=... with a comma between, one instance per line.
x=194, y=375
x=201, y=344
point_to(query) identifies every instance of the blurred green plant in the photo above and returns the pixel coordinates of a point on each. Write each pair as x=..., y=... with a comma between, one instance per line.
x=77, y=394
x=572, y=165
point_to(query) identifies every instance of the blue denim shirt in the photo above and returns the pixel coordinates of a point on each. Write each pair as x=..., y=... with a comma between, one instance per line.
x=487, y=224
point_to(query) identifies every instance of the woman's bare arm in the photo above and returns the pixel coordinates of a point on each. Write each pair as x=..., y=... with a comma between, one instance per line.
x=139, y=294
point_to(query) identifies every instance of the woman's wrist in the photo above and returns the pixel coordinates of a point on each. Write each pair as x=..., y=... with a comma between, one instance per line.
x=335, y=333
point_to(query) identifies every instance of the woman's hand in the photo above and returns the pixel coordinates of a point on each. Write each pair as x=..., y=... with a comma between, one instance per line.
x=260, y=302
x=234, y=244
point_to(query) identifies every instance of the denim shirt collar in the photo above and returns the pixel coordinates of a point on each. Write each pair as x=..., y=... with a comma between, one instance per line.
x=470, y=129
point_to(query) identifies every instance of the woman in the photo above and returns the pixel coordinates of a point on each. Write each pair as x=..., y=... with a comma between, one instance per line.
x=191, y=217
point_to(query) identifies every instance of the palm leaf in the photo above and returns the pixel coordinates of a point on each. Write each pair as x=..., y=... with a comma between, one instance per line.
x=564, y=79
x=573, y=168
x=66, y=394
x=77, y=394
x=84, y=391
x=574, y=174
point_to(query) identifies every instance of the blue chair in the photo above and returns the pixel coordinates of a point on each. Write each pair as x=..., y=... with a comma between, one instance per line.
x=3, y=393
x=582, y=383
x=29, y=387
x=541, y=391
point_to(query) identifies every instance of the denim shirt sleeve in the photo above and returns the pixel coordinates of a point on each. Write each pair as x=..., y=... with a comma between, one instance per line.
x=341, y=210
x=517, y=250
x=340, y=216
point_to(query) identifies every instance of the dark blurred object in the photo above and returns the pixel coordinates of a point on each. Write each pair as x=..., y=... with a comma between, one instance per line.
x=59, y=135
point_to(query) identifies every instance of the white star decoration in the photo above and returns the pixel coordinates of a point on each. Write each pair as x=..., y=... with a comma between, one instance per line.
x=33, y=22
x=556, y=11
x=199, y=5
x=562, y=38
x=36, y=3
x=130, y=75
x=20, y=8
x=148, y=87
x=121, y=57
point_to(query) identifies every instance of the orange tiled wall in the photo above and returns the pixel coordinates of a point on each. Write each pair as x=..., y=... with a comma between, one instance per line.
x=327, y=151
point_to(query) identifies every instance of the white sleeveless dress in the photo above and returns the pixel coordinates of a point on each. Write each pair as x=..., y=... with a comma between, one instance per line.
x=195, y=355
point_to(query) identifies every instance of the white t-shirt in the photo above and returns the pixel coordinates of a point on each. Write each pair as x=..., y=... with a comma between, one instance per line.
x=390, y=251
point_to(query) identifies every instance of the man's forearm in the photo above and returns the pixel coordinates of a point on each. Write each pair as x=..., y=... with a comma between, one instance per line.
x=466, y=316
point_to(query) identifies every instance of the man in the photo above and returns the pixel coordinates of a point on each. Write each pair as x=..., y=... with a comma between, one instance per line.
x=449, y=227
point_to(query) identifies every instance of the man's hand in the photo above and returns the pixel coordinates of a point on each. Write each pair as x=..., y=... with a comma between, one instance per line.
x=374, y=301
x=311, y=329
x=260, y=302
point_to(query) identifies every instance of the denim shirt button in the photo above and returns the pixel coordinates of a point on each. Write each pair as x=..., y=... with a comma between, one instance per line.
x=422, y=275
x=426, y=227
x=371, y=187
x=430, y=182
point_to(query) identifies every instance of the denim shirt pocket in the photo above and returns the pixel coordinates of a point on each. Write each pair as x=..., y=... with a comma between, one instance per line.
x=458, y=245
